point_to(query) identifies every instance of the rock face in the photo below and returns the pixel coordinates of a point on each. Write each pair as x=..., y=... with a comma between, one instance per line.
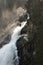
x=10, y=10
x=5, y=41
x=26, y=49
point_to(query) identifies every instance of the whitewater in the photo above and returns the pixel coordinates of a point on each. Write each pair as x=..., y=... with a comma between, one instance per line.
x=9, y=52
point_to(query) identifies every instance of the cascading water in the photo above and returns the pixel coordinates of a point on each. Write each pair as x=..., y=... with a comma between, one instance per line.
x=9, y=53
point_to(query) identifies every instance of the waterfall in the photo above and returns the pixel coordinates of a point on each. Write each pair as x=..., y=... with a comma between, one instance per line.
x=9, y=52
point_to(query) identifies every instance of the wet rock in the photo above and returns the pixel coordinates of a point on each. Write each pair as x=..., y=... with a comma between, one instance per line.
x=27, y=48
x=23, y=18
x=5, y=41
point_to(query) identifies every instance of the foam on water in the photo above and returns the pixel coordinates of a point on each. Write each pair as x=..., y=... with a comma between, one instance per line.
x=9, y=52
